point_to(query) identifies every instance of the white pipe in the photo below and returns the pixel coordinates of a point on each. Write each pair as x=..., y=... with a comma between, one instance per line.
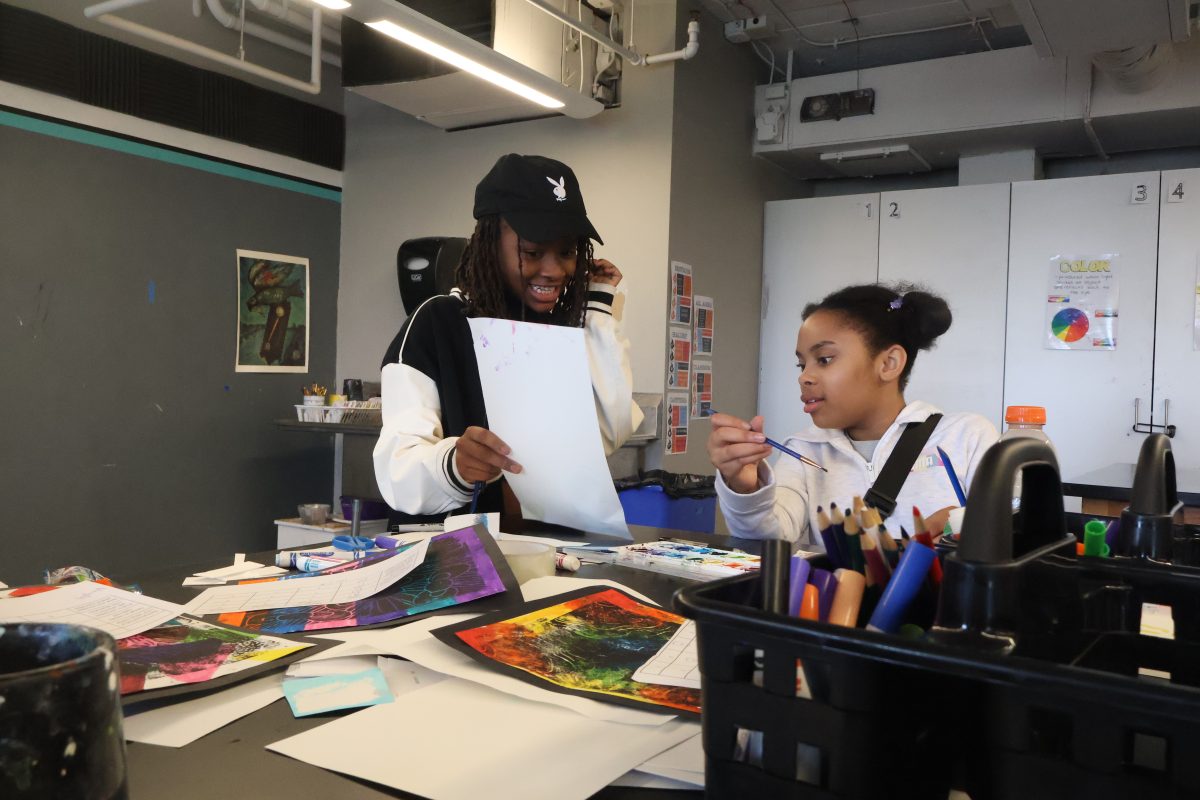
x=222, y=15
x=596, y=36
x=315, y=60
x=109, y=6
x=294, y=18
x=213, y=55
x=689, y=50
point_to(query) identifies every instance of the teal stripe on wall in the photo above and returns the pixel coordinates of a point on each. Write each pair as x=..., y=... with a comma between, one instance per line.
x=84, y=136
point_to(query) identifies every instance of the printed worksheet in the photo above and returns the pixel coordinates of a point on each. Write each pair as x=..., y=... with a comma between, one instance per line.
x=317, y=590
x=676, y=664
x=115, y=611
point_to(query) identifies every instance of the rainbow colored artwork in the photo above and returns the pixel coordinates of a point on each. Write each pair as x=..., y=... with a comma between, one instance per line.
x=457, y=569
x=589, y=642
x=188, y=651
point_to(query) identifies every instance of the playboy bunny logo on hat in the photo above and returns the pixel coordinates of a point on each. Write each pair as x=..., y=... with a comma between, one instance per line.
x=515, y=188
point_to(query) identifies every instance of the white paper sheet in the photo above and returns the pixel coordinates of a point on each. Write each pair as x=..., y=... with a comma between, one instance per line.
x=490, y=522
x=677, y=663
x=538, y=391
x=232, y=571
x=179, y=724
x=683, y=762
x=346, y=665
x=518, y=750
x=343, y=587
x=550, y=585
x=115, y=611
x=404, y=676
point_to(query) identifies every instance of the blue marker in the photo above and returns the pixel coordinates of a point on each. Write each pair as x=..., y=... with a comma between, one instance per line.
x=915, y=561
x=958, y=490
x=475, y=495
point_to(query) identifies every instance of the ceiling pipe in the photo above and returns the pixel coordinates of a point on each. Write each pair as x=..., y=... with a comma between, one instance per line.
x=689, y=50
x=93, y=11
x=228, y=20
x=295, y=19
x=312, y=87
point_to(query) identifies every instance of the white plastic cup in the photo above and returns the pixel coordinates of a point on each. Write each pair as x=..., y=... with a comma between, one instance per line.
x=528, y=560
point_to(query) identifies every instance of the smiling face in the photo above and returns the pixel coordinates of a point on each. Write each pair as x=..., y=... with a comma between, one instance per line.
x=842, y=384
x=536, y=272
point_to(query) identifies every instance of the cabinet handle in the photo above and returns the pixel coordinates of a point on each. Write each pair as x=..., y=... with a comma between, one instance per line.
x=1147, y=427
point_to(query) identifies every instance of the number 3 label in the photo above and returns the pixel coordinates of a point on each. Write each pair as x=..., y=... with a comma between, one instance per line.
x=1141, y=194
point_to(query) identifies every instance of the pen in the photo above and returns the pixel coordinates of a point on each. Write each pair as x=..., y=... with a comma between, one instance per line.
x=958, y=490
x=782, y=449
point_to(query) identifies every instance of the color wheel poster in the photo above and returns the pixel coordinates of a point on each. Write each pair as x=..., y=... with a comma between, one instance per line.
x=1081, y=303
x=677, y=422
x=681, y=293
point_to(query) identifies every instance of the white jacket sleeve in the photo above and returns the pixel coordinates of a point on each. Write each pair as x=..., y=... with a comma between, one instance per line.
x=777, y=510
x=608, y=361
x=414, y=465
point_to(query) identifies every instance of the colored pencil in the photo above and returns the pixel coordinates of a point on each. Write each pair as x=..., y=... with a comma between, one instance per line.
x=935, y=570
x=918, y=520
x=854, y=549
x=829, y=538
x=877, y=571
x=958, y=490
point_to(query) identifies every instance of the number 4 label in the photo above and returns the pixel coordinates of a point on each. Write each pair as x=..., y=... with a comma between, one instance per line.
x=1141, y=194
x=1176, y=193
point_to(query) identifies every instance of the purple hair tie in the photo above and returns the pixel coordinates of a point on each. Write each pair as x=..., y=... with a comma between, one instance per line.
x=896, y=304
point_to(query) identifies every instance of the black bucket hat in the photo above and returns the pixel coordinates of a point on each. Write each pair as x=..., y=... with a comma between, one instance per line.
x=539, y=197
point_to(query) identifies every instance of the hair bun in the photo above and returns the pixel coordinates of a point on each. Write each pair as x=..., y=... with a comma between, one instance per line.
x=926, y=317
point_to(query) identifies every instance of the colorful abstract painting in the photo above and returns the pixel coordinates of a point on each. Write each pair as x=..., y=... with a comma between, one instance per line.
x=587, y=642
x=460, y=567
x=188, y=651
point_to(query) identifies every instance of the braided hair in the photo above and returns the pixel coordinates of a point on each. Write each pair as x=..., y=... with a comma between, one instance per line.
x=904, y=314
x=480, y=276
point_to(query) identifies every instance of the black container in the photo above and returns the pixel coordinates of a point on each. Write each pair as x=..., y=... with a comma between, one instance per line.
x=60, y=714
x=1029, y=690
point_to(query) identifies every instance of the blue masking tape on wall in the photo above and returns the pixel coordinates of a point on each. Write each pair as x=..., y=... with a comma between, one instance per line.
x=121, y=145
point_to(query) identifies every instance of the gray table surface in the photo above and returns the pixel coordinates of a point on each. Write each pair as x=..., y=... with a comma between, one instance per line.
x=234, y=762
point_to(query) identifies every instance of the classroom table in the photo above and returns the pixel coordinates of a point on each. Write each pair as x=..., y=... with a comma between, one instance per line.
x=234, y=761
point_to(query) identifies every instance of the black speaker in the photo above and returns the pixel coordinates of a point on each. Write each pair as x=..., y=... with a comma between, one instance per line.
x=425, y=267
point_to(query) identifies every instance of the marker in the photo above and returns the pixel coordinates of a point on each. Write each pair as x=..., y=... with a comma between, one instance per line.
x=847, y=599
x=958, y=490
x=826, y=586
x=306, y=562
x=810, y=606
x=783, y=449
x=799, y=585
x=774, y=575
x=566, y=561
x=478, y=490
x=906, y=581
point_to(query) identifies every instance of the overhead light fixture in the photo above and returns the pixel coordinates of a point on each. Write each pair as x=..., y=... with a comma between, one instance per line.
x=333, y=5
x=460, y=61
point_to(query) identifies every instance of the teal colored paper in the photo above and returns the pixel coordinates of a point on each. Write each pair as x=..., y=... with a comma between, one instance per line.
x=308, y=696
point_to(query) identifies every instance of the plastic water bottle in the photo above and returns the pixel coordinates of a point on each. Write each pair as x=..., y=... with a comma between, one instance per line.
x=1027, y=421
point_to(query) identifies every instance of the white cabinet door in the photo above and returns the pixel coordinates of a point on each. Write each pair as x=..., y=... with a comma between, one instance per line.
x=1089, y=396
x=810, y=248
x=954, y=242
x=1176, y=357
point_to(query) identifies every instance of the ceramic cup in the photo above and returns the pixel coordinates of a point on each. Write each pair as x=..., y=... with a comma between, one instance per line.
x=313, y=513
x=60, y=714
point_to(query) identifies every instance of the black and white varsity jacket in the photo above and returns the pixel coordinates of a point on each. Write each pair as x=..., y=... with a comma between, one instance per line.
x=431, y=394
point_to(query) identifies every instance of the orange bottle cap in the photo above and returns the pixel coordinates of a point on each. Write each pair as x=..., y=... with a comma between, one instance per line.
x=1029, y=415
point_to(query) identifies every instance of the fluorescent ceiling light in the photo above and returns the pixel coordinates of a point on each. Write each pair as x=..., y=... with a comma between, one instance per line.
x=333, y=5
x=460, y=61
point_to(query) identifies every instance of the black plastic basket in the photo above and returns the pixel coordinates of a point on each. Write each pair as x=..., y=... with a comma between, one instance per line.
x=1028, y=688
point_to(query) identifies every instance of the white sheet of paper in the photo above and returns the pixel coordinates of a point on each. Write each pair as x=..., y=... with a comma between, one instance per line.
x=550, y=585
x=588, y=754
x=404, y=676
x=684, y=759
x=677, y=663
x=538, y=391
x=233, y=570
x=114, y=611
x=343, y=587
x=179, y=724
x=490, y=521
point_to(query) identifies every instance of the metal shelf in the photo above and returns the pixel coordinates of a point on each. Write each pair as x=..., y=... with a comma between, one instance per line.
x=327, y=427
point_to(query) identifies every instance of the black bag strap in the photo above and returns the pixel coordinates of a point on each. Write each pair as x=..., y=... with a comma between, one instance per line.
x=882, y=495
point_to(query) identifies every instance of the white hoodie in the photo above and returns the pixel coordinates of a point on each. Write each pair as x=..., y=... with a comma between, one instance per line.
x=785, y=505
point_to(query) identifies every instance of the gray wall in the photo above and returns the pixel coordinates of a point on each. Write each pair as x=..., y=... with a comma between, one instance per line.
x=717, y=193
x=128, y=440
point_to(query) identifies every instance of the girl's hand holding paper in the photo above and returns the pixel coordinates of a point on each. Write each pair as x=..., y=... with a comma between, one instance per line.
x=480, y=455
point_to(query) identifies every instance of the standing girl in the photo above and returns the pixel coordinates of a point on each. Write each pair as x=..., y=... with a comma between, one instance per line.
x=855, y=352
x=530, y=258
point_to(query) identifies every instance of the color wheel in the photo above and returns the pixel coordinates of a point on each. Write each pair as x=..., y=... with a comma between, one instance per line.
x=1070, y=325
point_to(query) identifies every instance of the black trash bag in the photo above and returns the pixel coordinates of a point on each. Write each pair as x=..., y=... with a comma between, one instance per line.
x=674, y=484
